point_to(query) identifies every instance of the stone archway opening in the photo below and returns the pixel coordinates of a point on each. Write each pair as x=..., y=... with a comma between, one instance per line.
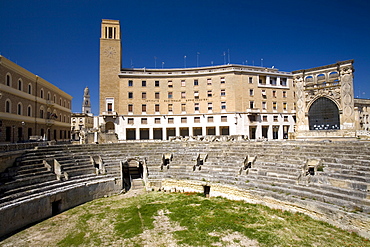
x=323, y=115
x=109, y=127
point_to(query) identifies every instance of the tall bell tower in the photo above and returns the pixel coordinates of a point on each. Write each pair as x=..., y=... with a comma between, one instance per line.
x=86, y=105
x=110, y=64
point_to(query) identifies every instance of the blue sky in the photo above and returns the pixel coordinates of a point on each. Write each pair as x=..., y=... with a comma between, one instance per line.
x=59, y=40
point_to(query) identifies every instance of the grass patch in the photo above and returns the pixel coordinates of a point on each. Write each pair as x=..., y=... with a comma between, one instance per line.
x=187, y=219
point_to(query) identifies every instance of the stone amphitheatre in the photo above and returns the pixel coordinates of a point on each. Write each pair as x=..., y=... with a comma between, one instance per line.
x=326, y=180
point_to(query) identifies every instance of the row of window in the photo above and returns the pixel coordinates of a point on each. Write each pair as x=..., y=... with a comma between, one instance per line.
x=8, y=82
x=274, y=81
x=274, y=105
x=170, y=94
x=274, y=93
x=183, y=82
x=48, y=115
x=170, y=107
x=13, y=135
x=170, y=120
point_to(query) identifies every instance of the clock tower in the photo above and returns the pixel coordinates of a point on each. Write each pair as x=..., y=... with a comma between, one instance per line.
x=110, y=65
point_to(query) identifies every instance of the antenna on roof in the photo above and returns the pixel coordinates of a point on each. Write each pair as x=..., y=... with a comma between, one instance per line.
x=228, y=56
x=224, y=54
x=155, y=62
x=198, y=53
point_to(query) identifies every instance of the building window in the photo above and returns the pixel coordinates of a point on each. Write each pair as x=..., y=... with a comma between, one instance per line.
x=223, y=92
x=210, y=119
x=29, y=111
x=183, y=83
x=130, y=121
x=286, y=119
x=250, y=92
x=183, y=107
x=29, y=89
x=42, y=93
x=264, y=118
x=273, y=81
x=285, y=106
x=143, y=108
x=223, y=105
x=143, y=83
x=41, y=113
x=264, y=105
x=20, y=85
x=143, y=95
x=275, y=118
x=250, y=79
x=274, y=94
x=196, y=94
x=196, y=106
x=170, y=95
x=130, y=108
x=196, y=119
x=130, y=83
x=251, y=104
x=110, y=107
x=274, y=106
x=170, y=84
x=264, y=94
x=170, y=120
x=156, y=95
x=8, y=80
x=223, y=118
x=196, y=82
x=130, y=95
x=156, y=108
x=222, y=80
x=19, y=109
x=157, y=120
x=7, y=106
x=170, y=107
x=144, y=121
x=183, y=120
x=209, y=93
x=210, y=106
x=283, y=81
x=284, y=94
x=183, y=95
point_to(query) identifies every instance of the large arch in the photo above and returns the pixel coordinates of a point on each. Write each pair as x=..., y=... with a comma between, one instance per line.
x=109, y=127
x=323, y=115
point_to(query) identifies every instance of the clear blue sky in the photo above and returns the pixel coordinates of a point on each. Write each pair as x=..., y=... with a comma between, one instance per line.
x=59, y=40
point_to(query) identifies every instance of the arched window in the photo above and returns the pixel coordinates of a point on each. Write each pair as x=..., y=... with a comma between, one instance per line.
x=19, y=109
x=42, y=93
x=8, y=80
x=323, y=115
x=64, y=103
x=29, y=111
x=8, y=106
x=48, y=97
x=309, y=79
x=20, y=85
x=55, y=99
x=41, y=112
x=30, y=88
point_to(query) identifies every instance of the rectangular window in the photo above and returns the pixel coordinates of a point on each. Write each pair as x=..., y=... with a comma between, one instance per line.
x=285, y=118
x=130, y=121
x=170, y=107
x=130, y=108
x=183, y=120
x=183, y=107
x=275, y=118
x=170, y=95
x=196, y=119
x=130, y=83
x=264, y=105
x=170, y=84
x=222, y=80
x=183, y=83
x=143, y=108
x=156, y=83
x=283, y=81
x=183, y=95
x=264, y=94
x=130, y=95
x=274, y=94
x=196, y=82
x=210, y=119
x=143, y=95
x=250, y=79
x=284, y=94
x=209, y=81
x=156, y=107
x=156, y=95
x=196, y=106
x=143, y=83
x=274, y=106
x=223, y=105
x=223, y=118
x=209, y=93
x=170, y=120
x=196, y=94
x=250, y=92
x=144, y=121
x=157, y=120
x=210, y=106
x=285, y=106
x=264, y=118
x=251, y=104
x=223, y=92
x=110, y=107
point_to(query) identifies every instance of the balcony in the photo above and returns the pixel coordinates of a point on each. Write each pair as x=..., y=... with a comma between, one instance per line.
x=253, y=110
x=112, y=114
x=49, y=122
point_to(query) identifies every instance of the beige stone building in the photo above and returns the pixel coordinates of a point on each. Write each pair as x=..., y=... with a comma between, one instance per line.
x=256, y=102
x=31, y=106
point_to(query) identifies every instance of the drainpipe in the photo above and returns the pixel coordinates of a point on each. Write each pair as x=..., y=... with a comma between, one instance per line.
x=37, y=77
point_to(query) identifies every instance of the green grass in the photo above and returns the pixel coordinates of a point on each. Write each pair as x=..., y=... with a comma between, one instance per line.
x=203, y=221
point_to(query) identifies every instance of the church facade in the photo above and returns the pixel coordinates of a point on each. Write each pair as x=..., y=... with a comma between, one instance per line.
x=249, y=101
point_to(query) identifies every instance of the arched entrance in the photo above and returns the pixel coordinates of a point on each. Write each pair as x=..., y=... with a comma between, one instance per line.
x=109, y=127
x=323, y=115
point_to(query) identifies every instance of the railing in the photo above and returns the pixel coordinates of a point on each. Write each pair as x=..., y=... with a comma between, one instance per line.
x=17, y=146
